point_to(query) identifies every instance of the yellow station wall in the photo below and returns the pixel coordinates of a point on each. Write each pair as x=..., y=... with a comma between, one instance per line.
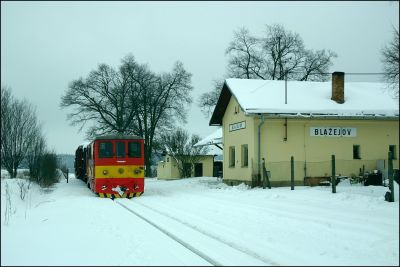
x=312, y=154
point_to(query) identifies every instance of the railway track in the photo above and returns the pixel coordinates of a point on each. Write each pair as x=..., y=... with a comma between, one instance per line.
x=211, y=248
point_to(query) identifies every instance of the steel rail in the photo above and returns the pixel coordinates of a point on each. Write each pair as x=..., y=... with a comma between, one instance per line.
x=174, y=237
x=219, y=239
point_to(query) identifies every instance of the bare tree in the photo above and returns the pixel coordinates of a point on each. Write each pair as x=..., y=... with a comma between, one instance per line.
x=284, y=52
x=6, y=103
x=103, y=98
x=207, y=101
x=316, y=65
x=8, y=206
x=390, y=60
x=279, y=55
x=132, y=100
x=18, y=130
x=23, y=187
x=245, y=56
x=160, y=101
x=181, y=147
x=35, y=154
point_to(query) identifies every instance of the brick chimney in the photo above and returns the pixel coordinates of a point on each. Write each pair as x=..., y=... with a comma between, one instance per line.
x=338, y=87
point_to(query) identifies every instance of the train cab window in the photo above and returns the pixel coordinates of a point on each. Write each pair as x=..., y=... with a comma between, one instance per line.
x=120, y=149
x=105, y=150
x=134, y=150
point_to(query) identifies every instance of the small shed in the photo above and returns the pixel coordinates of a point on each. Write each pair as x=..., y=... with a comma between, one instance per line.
x=209, y=165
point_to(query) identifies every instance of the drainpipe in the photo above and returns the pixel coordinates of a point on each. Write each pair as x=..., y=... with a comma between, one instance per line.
x=259, y=146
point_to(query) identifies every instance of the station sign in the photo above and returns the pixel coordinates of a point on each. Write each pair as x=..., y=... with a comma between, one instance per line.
x=333, y=131
x=237, y=126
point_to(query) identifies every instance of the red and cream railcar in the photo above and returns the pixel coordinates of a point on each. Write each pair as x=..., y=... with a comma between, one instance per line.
x=115, y=166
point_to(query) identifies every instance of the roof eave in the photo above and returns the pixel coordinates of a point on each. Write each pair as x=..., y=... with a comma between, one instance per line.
x=324, y=116
x=220, y=108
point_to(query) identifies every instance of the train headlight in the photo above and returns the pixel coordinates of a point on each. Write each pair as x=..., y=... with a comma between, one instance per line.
x=137, y=171
x=121, y=170
x=105, y=172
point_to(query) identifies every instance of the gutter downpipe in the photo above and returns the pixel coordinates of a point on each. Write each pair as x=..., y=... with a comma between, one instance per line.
x=259, y=146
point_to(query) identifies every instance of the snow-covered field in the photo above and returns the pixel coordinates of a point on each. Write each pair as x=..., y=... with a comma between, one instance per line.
x=69, y=225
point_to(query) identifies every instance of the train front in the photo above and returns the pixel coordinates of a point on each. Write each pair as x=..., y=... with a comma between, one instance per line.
x=118, y=166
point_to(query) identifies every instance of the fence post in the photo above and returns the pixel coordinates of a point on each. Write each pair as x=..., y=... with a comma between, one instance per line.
x=291, y=173
x=363, y=174
x=263, y=173
x=64, y=171
x=390, y=176
x=333, y=180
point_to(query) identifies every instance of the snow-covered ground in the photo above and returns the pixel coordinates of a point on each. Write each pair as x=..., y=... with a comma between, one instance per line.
x=69, y=225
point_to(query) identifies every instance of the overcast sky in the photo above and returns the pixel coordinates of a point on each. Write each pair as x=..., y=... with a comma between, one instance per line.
x=46, y=45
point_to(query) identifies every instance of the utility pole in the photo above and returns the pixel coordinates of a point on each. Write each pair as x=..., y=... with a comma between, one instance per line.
x=286, y=86
x=291, y=173
x=390, y=175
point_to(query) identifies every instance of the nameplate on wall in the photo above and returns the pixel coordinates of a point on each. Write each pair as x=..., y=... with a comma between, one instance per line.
x=237, y=126
x=333, y=131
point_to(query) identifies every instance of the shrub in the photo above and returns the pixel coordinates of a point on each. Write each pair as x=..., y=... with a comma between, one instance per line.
x=49, y=174
x=23, y=188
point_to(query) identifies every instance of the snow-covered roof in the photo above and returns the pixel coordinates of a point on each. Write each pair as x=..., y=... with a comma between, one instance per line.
x=213, y=141
x=305, y=98
x=213, y=150
x=214, y=138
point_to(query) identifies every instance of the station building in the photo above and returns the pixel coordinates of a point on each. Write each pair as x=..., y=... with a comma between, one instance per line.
x=271, y=121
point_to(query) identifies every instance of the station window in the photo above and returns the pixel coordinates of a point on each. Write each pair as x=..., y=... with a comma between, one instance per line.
x=245, y=156
x=120, y=149
x=356, y=152
x=392, y=148
x=232, y=156
x=106, y=150
x=134, y=150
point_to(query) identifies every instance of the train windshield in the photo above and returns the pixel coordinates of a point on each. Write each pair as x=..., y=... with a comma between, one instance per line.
x=106, y=150
x=134, y=150
x=120, y=149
